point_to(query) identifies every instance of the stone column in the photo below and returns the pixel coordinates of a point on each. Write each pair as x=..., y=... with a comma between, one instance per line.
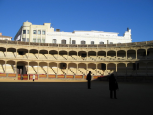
x=116, y=55
x=87, y=56
x=47, y=69
x=126, y=54
x=5, y=66
x=38, y=68
x=126, y=70
x=136, y=54
x=28, y=54
x=146, y=54
x=16, y=70
x=28, y=70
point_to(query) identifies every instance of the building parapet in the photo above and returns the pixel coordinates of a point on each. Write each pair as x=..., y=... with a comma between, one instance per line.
x=147, y=43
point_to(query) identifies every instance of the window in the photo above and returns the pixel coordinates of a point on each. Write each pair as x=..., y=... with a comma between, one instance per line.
x=43, y=32
x=34, y=39
x=27, y=39
x=34, y=31
x=39, y=40
x=27, y=31
x=24, y=39
x=83, y=42
x=73, y=41
x=24, y=31
x=101, y=42
x=92, y=42
x=63, y=41
x=43, y=40
x=111, y=42
x=54, y=41
x=39, y=31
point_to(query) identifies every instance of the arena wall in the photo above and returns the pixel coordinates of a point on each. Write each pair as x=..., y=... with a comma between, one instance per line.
x=67, y=61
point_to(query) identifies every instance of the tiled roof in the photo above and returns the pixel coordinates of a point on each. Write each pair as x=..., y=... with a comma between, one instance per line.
x=5, y=37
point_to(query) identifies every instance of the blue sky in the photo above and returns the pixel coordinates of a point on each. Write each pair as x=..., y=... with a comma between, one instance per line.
x=70, y=15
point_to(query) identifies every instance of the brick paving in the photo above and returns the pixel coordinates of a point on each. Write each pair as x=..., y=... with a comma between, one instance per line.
x=73, y=98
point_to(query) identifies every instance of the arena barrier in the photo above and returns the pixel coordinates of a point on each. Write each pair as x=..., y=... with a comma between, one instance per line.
x=51, y=76
x=69, y=76
x=60, y=76
x=11, y=74
x=2, y=74
x=95, y=77
x=31, y=76
x=85, y=76
x=78, y=76
x=42, y=76
x=25, y=76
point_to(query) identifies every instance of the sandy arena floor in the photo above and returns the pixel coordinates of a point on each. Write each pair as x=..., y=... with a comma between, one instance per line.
x=73, y=98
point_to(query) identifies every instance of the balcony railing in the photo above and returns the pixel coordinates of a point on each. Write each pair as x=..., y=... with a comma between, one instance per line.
x=144, y=43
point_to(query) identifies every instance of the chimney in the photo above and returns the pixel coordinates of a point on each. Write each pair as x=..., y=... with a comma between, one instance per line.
x=0, y=34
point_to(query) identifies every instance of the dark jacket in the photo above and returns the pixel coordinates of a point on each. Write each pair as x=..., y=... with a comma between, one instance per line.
x=89, y=76
x=113, y=85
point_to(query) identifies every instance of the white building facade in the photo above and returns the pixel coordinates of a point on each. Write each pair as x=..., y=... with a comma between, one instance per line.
x=46, y=34
x=5, y=37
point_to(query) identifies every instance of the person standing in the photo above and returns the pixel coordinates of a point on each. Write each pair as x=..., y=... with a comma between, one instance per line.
x=33, y=77
x=113, y=86
x=89, y=80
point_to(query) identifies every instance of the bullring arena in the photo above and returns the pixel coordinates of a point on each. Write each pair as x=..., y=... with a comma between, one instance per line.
x=128, y=61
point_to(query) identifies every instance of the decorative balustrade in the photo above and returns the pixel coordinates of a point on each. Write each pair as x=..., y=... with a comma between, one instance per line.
x=148, y=43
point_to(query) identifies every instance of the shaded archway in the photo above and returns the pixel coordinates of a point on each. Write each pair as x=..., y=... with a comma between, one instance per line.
x=2, y=67
x=33, y=68
x=141, y=54
x=131, y=54
x=53, y=54
x=10, y=67
x=2, y=52
x=22, y=67
x=150, y=53
x=111, y=68
x=82, y=55
x=62, y=55
x=11, y=52
x=101, y=55
x=41, y=68
x=33, y=53
x=72, y=69
x=52, y=69
x=121, y=69
x=92, y=55
x=43, y=54
x=150, y=69
x=82, y=70
x=72, y=55
x=111, y=55
x=92, y=68
x=121, y=55
x=22, y=53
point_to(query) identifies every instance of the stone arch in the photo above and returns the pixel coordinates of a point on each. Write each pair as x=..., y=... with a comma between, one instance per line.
x=10, y=67
x=33, y=68
x=42, y=68
x=22, y=67
x=150, y=53
x=2, y=68
x=121, y=55
x=82, y=68
x=121, y=69
x=111, y=68
x=141, y=53
x=131, y=54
